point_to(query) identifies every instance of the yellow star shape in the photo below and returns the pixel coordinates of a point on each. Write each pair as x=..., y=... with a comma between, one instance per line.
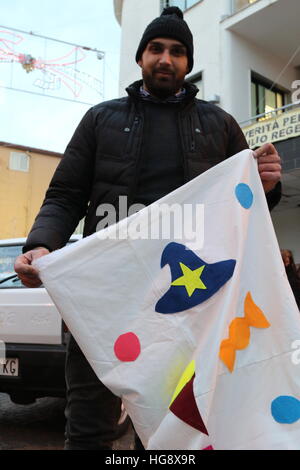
x=190, y=279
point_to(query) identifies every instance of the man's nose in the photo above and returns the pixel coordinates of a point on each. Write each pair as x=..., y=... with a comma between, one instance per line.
x=165, y=57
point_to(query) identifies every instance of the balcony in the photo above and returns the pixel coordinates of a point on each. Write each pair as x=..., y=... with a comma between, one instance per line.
x=182, y=4
x=239, y=4
x=271, y=25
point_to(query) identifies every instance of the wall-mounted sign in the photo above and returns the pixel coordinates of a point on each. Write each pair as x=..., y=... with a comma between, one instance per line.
x=281, y=127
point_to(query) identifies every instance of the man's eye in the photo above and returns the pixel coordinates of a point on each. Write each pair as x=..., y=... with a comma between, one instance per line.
x=178, y=51
x=155, y=48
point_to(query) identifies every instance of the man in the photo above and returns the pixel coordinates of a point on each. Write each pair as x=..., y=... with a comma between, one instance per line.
x=142, y=147
x=292, y=274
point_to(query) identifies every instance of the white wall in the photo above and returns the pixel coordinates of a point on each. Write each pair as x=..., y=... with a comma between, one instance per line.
x=204, y=22
x=225, y=58
x=287, y=228
x=136, y=16
x=239, y=58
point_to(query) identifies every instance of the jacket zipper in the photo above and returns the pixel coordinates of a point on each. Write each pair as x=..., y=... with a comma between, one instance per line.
x=132, y=189
x=193, y=146
x=183, y=149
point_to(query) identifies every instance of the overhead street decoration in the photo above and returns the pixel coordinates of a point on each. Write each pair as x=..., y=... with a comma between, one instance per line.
x=53, y=68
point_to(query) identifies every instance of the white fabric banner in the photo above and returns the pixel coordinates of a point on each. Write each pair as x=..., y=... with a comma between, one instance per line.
x=194, y=334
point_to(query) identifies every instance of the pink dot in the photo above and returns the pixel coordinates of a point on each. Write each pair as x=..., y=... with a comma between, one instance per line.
x=127, y=347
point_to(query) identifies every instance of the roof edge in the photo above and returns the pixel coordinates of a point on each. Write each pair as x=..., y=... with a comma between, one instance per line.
x=25, y=148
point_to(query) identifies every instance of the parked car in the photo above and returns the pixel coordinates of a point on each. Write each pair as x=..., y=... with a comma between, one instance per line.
x=34, y=336
x=33, y=332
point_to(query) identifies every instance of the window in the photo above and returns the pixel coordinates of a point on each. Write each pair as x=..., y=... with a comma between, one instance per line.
x=266, y=98
x=197, y=80
x=182, y=4
x=8, y=254
x=18, y=161
x=8, y=276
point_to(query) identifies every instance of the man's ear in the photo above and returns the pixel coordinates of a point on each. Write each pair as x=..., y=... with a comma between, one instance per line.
x=140, y=63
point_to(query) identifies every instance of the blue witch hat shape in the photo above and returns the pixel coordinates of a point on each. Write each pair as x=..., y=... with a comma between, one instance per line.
x=193, y=279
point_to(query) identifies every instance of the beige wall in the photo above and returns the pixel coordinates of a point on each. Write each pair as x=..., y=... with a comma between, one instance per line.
x=22, y=193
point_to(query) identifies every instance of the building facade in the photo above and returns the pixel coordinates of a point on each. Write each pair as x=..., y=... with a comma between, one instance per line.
x=247, y=60
x=25, y=174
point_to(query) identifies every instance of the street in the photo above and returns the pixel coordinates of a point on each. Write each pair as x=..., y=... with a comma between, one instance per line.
x=39, y=426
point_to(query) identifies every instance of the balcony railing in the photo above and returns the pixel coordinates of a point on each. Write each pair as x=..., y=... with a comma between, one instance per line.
x=182, y=4
x=239, y=4
x=275, y=126
x=270, y=114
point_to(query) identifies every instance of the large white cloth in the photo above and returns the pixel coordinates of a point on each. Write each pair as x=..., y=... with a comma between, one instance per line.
x=196, y=338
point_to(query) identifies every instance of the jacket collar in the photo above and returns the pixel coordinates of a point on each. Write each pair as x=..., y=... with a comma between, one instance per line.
x=134, y=92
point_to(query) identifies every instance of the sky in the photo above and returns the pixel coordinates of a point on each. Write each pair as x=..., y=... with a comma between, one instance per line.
x=43, y=122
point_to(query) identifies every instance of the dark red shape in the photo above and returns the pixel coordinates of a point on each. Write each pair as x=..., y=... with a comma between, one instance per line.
x=208, y=448
x=185, y=408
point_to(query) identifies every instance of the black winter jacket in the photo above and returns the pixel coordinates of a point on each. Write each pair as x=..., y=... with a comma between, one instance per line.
x=101, y=161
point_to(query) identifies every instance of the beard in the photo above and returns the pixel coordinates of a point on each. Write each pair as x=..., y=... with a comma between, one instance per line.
x=162, y=86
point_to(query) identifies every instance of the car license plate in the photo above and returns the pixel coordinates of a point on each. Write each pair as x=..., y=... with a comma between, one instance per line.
x=10, y=368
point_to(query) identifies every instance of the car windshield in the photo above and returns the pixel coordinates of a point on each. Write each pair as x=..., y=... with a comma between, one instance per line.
x=8, y=255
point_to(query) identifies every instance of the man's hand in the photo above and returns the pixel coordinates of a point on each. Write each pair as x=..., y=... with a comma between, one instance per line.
x=269, y=167
x=27, y=273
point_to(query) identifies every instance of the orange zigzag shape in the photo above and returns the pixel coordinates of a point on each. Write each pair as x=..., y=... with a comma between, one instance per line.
x=239, y=331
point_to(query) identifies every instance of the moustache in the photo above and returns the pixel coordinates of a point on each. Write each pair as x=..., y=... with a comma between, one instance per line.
x=167, y=71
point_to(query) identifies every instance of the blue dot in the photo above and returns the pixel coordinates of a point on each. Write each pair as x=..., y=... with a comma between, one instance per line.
x=285, y=409
x=244, y=195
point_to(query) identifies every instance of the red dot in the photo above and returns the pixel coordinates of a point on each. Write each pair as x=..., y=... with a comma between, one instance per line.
x=127, y=347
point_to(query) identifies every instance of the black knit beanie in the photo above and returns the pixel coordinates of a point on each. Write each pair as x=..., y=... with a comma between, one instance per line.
x=170, y=24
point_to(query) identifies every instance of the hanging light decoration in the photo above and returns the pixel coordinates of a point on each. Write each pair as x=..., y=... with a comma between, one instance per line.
x=27, y=62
